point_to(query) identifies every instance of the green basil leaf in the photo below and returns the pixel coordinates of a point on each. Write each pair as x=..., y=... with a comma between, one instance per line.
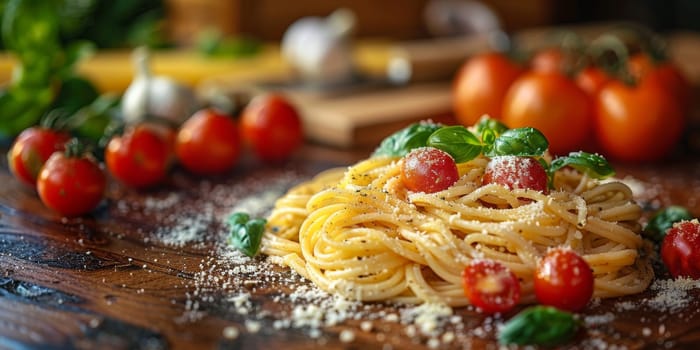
x=523, y=142
x=459, y=142
x=403, y=141
x=246, y=235
x=593, y=165
x=488, y=136
x=664, y=220
x=490, y=125
x=539, y=325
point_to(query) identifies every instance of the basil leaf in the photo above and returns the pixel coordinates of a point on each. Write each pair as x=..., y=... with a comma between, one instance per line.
x=593, y=165
x=492, y=126
x=246, y=235
x=664, y=220
x=403, y=141
x=539, y=325
x=459, y=142
x=523, y=142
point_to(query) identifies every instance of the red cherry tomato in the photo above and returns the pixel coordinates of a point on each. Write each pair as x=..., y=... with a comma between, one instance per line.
x=140, y=157
x=30, y=151
x=516, y=172
x=272, y=127
x=637, y=123
x=490, y=286
x=71, y=184
x=428, y=170
x=208, y=142
x=680, y=249
x=553, y=104
x=564, y=280
x=480, y=85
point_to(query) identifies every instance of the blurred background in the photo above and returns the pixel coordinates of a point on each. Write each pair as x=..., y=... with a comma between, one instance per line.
x=163, y=23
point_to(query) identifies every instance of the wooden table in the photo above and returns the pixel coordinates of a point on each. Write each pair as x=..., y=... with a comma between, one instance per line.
x=150, y=270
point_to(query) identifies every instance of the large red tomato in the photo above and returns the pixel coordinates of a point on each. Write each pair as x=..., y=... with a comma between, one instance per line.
x=663, y=73
x=638, y=123
x=480, y=85
x=553, y=104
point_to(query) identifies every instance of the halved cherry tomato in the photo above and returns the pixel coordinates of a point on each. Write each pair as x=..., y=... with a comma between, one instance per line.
x=490, y=286
x=140, y=157
x=516, y=172
x=638, y=123
x=553, y=104
x=428, y=170
x=480, y=85
x=30, y=151
x=271, y=125
x=680, y=249
x=71, y=183
x=208, y=142
x=563, y=279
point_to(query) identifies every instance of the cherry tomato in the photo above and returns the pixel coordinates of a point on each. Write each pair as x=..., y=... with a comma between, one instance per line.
x=490, y=286
x=680, y=249
x=637, y=123
x=592, y=79
x=71, y=183
x=272, y=127
x=30, y=151
x=516, y=172
x=553, y=104
x=208, y=142
x=564, y=280
x=140, y=157
x=480, y=85
x=428, y=170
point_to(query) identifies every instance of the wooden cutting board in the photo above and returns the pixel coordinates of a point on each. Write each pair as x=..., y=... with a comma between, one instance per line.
x=364, y=119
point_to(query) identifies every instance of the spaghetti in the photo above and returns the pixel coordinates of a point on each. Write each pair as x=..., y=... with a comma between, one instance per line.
x=360, y=233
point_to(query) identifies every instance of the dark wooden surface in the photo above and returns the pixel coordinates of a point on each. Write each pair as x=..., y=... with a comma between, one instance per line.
x=115, y=279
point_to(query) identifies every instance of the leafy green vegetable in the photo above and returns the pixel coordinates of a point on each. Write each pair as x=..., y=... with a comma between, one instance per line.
x=539, y=325
x=491, y=126
x=459, y=142
x=593, y=165
x=246, y=234
x=496, y=140
x=663, y=220
x=212, y=43
x=31, y=30
x=523, y=142
x=403, y=141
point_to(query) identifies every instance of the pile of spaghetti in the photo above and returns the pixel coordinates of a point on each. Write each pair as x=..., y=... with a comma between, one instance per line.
x=361, y=233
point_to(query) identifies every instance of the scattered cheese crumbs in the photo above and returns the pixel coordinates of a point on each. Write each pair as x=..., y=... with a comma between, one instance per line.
x=226, y=280
x=347, y=336
x=230, y=332
x=252, y=326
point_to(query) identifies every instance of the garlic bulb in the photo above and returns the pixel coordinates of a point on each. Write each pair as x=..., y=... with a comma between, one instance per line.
x=319, y=49
x=155, y=98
